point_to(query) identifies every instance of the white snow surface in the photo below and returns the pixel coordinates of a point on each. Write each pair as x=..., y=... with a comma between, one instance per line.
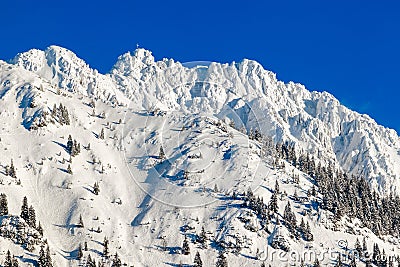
x=141, y=201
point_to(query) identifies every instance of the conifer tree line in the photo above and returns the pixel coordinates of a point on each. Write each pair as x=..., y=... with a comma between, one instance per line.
x=60, y=114
x=342, y=194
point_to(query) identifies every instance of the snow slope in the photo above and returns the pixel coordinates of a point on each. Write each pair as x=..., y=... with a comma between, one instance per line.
x=145, y=207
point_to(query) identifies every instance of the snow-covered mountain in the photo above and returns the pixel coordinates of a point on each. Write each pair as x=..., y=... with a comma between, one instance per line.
x=244, y=92
x=206, y=120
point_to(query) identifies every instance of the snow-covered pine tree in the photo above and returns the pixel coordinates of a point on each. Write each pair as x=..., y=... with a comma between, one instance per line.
x=105, y=247
x=308, y=236
x=69, y=170
x=215, y=188
x=49, y=261
x=96, y=188
x=11, y=170
x=358, y=248
x=221, y=260
x=40, y=229
x=25, y=210
x=290, y=219
x=80, y=252
x=295, y=196
x=116, y=261
x=202, y=238
x=42, y=258
x=70, y=145
x=197, y=260
x=276, y=187
x=90, y=262
x=376, y=254
x=32, y=217
x=80, y=224
x=54, y=111
x=273, y=203
x=101, y=135
x=3, y=204
x=161, y=154
x=8, y=262
x=74, y=150
x=185, y=247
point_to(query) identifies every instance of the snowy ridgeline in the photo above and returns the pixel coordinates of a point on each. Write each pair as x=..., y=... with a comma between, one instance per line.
x=155, y=164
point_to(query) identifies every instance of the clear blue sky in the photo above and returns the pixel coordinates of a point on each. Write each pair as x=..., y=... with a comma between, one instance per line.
x=349, y=48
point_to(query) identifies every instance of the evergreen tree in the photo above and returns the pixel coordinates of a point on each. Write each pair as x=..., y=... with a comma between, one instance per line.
x=42, y=258
x=276, y=187
x=376, y=254
x=161, y=154
x=105, y=247
x=273, y=203
x=85, y=247
x=69, y=170
x=8, y=262
x=25, y=210
x=357, y=247
x=308, y=236
x=90, y=262
x=40, y=229
x=197, y=260
x=32, y=217
x=75, y=149
x=116, y=261
x=70, y=145
x=295, y=195
x=49, y=261
x=290, y=219
x=81, y=222
x=96, y=188
x=185, y=247
x=221, y=260
x=101, y=136
x=54, y=111
x=202, y=236
x=80, y=252
x=3, y=205
x=11, y=170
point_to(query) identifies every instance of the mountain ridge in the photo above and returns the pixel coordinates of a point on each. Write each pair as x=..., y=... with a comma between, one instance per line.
x=288, y=112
